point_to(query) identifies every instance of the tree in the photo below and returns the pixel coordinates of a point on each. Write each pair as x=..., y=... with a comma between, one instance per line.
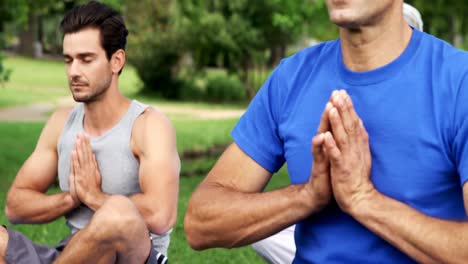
x=444, y=18
x=239, y=34
x=4, y=72
x=156, y=44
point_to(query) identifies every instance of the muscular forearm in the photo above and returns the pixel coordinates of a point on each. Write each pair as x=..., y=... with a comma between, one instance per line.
x=158, y=221
x=32, y=207
x=158, y=217
x=96, y=200
x=220, y=217
x=425, y=239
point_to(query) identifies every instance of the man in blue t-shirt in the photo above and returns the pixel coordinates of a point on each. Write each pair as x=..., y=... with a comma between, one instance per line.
x=372, y=127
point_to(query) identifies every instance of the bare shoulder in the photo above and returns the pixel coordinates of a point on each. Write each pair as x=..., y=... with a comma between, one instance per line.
x=152, y=120
x=54, y=126
x=152, y=127
x=60, y=116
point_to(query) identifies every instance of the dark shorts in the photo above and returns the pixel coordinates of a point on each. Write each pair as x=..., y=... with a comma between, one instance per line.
x=21, y=250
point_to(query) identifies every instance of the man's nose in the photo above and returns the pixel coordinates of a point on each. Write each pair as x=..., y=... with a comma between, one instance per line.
x=74, y=70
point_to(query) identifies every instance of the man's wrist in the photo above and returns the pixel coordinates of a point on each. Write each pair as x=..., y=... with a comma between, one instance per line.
x=310, y=199
x=364, y=204
x=94, y=200
x=70, y=201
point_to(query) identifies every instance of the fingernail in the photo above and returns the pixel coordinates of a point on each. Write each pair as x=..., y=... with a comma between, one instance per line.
x=334, y=94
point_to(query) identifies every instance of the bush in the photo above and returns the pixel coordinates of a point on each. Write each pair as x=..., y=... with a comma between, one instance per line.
x=156, y=61
x=224, y=88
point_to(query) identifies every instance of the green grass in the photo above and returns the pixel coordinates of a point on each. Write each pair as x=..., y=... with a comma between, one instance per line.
x=17, y=141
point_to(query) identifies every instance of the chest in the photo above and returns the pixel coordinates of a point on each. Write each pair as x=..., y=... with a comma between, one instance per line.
x=117, y=164
x=408, y=132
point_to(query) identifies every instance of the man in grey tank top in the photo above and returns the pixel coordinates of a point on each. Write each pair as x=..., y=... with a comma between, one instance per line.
x=116, y=161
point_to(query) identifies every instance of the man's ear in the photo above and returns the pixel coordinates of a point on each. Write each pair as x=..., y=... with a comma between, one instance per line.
x=118, y=61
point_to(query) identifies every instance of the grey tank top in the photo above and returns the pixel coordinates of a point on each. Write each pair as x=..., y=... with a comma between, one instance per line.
x=117, y=164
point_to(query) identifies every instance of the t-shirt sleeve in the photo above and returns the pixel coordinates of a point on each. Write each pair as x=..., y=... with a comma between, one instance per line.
x=460, y=142
x=256, y=133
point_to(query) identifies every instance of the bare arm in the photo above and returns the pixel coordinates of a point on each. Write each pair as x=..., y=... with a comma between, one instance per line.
x=229, y=210
x=26, y=200
x=154, y=143
x=424, y=238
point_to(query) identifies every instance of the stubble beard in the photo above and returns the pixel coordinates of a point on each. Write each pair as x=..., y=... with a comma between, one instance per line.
x=95, y=94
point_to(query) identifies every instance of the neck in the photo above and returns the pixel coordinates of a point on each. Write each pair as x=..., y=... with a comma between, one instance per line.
x=370, y=47
x=104, y=113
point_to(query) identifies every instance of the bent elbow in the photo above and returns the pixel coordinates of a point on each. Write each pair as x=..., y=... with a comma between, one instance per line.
x=11, y=215
x=193, y=234
x=160, y=224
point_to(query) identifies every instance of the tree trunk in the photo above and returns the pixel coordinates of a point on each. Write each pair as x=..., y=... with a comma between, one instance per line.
x=28, y=36
x=245, y=80
x=277, y=52
x=457, y=39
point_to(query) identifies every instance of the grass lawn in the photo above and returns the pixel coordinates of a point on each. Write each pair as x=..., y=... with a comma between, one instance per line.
x=17, y=141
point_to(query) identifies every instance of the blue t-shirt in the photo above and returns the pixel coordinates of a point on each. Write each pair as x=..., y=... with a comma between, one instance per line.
x=415, y=110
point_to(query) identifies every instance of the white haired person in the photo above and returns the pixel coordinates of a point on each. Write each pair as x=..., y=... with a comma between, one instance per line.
x=280, y=248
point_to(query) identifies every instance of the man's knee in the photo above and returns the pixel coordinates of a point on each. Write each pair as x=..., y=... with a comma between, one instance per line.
x=3, y=241
x=119, y=222
x=118, y=214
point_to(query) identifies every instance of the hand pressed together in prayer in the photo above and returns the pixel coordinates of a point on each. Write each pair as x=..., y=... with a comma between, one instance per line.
x=85, y=178
x=346, y=146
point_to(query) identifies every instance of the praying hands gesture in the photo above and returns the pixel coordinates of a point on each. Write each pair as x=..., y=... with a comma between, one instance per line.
x=347, y=148
x=85, y=178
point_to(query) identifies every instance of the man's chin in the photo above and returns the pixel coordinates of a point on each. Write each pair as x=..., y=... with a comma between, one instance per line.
x=345, y=19
x=81, y=99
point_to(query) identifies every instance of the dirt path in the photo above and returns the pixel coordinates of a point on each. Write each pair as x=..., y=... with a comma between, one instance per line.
x=41, y=111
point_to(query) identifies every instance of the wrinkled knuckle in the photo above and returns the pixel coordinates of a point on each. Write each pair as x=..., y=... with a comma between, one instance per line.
x=365, y=136
x=342, y=141
x=353, y=127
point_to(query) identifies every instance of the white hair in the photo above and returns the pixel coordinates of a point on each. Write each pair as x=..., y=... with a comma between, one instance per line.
x=412, y=16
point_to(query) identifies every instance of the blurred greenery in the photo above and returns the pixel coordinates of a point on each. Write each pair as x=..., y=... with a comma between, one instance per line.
x=238, y=36
x=172, y=43
x=4, y=72
x=445, y=19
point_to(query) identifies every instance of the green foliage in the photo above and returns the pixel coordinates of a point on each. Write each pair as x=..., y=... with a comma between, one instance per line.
x=224, y=88
x=319, y=25
x=155, y=60
x=235, y=35
x=4, y=72
x=444, y=18
x=156, y=46
x=13, y=10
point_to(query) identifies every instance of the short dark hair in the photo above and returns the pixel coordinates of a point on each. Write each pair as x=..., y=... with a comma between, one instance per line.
x=97, y=15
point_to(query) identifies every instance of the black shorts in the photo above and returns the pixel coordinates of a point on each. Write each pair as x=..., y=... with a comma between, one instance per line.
x=21, y=250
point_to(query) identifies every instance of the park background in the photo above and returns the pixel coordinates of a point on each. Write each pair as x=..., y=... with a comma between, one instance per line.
x=198, y=61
